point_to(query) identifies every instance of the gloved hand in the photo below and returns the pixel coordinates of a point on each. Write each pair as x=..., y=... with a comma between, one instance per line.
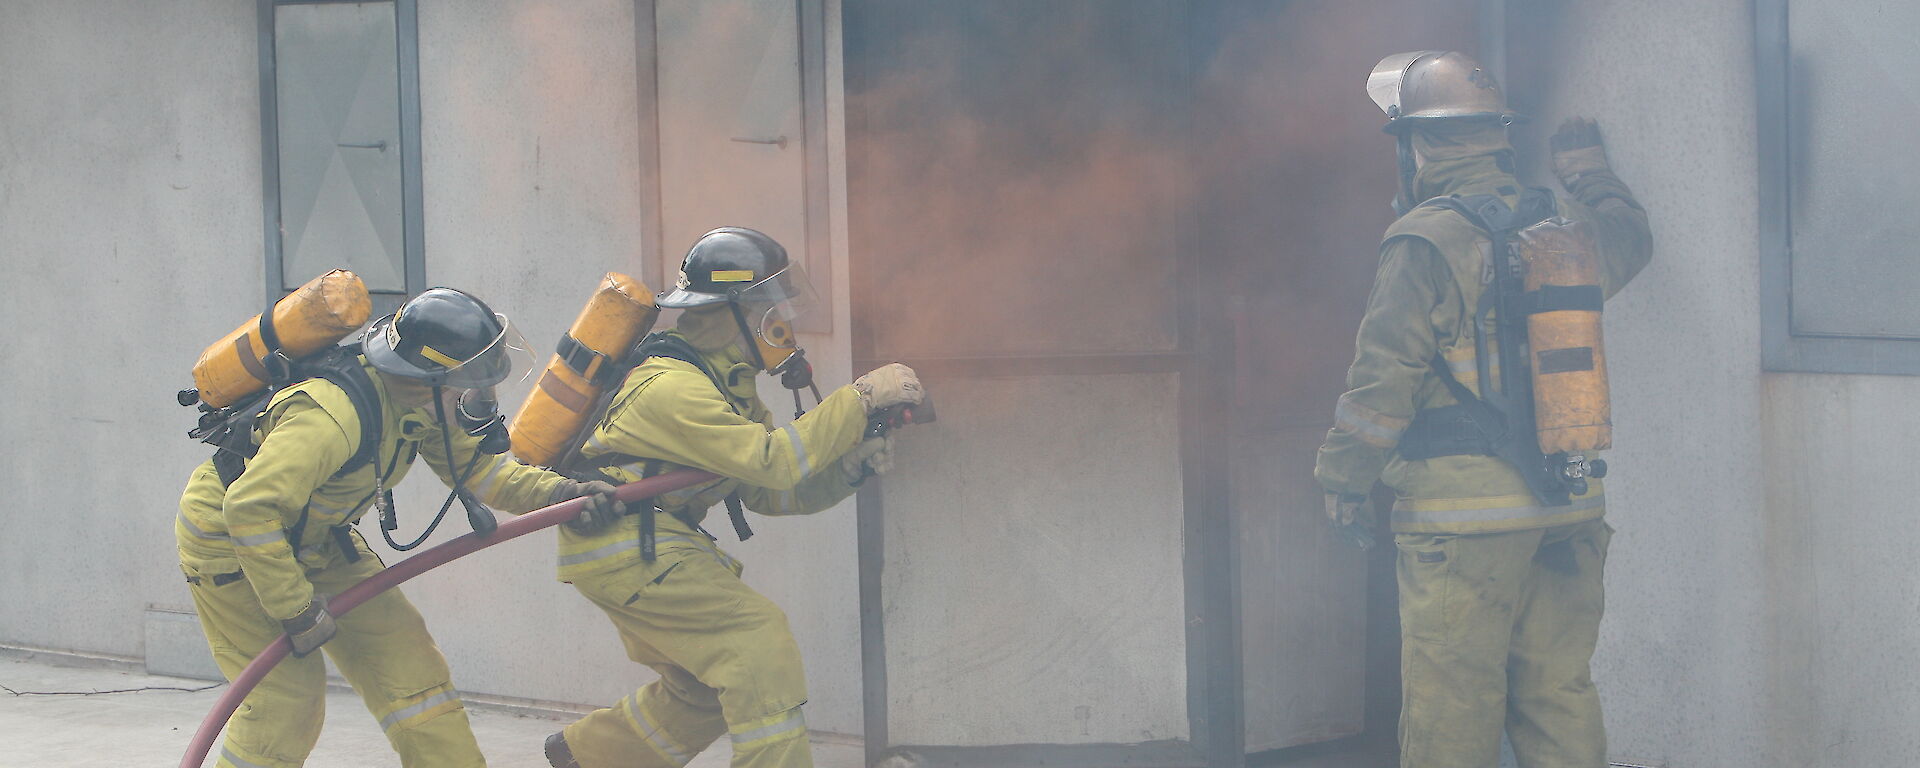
x=887, y=386
x=1577, y=150
x=873, y=456
x=1351, y=519
x=311, y=627
x=601, y=510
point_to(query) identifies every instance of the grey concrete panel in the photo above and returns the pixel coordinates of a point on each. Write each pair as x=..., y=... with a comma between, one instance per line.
x=1032, y=589
x=1840, y=553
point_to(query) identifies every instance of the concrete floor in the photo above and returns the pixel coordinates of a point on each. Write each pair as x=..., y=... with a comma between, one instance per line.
x=151, y=728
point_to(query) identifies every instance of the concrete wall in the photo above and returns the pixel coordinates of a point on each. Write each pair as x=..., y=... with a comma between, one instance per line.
x=1685, y=636
x=130, y=237
x=130, y=233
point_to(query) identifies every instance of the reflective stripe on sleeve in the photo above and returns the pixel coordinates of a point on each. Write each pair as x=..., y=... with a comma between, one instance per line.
x=260, y=539
x=1372, y=427
x=490, y=473
x=799, y=450
x=195, y=531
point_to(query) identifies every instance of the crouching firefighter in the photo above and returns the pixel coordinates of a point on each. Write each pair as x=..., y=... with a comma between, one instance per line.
x=1478, y=393
x=727, y=661
x=266, y=532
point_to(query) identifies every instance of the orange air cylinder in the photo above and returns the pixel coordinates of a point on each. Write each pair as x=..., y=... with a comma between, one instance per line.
x=1572, y=410
x=550, y=422
x=319, y=314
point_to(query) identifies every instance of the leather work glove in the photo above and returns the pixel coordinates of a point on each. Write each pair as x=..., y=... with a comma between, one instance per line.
x=1577, y=150
x=601, y=510
x=873, y=456
x=1351, y=519
x=311, y=627
x=887, y=386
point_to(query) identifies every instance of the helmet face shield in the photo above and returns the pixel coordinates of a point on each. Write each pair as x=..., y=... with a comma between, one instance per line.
x=771, y=308
x=509, y=357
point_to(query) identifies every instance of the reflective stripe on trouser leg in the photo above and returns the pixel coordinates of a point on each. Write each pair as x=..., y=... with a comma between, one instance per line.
x=1553, y=708
x=663, y=725
x=278, y=723
x=1458, y=598
x=385, y=652
x=727, y=661
x=777, y=734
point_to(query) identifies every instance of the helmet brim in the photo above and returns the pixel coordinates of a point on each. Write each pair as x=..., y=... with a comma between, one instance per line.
x=508, y=352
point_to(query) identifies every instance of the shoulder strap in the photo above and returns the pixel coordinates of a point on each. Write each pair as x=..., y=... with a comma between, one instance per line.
x=343, y=369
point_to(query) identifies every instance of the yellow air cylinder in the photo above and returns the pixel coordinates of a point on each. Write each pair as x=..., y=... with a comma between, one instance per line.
x=319, y=314
x=1572, y=409
x=568, y=393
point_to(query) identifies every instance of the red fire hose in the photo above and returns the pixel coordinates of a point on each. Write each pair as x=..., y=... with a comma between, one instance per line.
x=406, y=569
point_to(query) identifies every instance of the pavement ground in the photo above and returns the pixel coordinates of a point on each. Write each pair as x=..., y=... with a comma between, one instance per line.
x=151, y=728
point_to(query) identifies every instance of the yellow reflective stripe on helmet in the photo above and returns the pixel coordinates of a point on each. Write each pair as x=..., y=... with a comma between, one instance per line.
x=799, y=450
x=733, y=275
x=654, y=736
x=437, y=356
x=1372, y=427
x=786, y=725
x=1490, y=509
x=446, y=699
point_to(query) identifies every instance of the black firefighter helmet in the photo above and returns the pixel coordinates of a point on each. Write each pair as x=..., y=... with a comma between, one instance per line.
x=750, y=272
x=446, y=338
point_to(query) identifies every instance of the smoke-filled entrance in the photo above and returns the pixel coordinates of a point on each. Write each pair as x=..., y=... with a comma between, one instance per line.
x=1126, y=242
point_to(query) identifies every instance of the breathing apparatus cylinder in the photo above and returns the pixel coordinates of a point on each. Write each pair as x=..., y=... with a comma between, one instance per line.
x=620, y=312
x=319, y=314
x=1572, y=409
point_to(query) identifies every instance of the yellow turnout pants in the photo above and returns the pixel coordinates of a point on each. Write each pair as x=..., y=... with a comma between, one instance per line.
x=382, y=648
x=726, y=659
x=1497, y=631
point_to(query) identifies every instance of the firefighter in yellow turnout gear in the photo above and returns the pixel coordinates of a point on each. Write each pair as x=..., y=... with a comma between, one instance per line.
x=726, y=658
x=1500, y=591
x=262, y=552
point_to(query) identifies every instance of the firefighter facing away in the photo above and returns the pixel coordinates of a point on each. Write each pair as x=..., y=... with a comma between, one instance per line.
x=261, y=551
x=726, y=658
x=1498, y=525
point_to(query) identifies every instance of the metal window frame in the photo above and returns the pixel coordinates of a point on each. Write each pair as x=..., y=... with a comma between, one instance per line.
x=413, y=234
x=1782, y=349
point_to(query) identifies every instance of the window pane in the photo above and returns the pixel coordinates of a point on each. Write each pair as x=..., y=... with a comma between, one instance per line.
x=1856, y=168
x=337, y=77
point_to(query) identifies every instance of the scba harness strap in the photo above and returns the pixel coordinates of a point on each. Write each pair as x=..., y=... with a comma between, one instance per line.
x=1498, y=421
x=671, y=346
